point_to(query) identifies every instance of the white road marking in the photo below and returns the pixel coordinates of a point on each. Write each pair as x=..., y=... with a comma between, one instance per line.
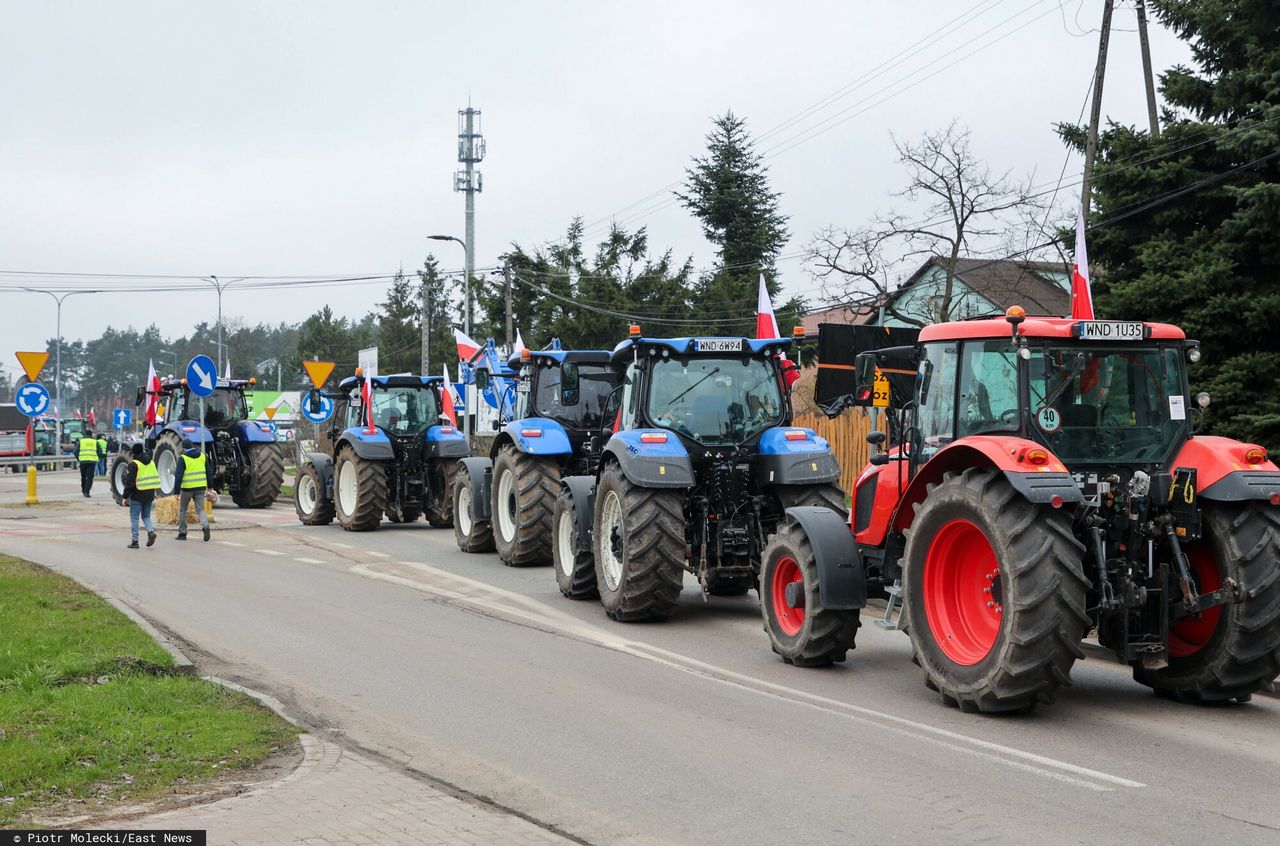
x=376, y=554
x=268, y=552
x=482, y=595
x=309, y=560
x=343, y=545
x=230, y=543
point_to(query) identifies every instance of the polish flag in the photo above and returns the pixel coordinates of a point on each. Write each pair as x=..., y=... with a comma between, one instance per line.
x=152, y=395
x=767, y=327
x=1081, y=295
x=92, y=420
x=447, y=398
x=366, y=396
x=467, y=348
x=79, y=414
x=227, y=371
x=519, y=346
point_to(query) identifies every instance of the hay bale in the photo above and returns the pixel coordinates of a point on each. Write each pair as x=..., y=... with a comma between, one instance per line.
x=166, y=511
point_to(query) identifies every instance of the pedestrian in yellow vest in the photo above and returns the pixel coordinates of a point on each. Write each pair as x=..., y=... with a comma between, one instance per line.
x=103, y=449
x=88, y=453
x=141, y=481
x=191, y=478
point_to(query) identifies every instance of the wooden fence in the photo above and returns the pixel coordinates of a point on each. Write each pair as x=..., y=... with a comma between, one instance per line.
x=848, y=436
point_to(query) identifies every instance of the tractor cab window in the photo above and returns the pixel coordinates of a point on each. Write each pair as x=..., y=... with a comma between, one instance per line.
x=1093, y=404
x=405, y=410
x=715, y=400
x=936, y=396
x=221, y=408
x=988, y=388
x=595, y=383
x=626, y=414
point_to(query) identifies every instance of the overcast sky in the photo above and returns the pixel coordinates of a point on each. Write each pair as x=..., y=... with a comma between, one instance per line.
x=301, y=138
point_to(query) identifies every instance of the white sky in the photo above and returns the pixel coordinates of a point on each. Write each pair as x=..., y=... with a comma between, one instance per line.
x=300, y=138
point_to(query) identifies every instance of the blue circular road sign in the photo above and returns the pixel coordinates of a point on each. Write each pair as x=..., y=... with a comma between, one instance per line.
x=325, y=412
x=202, y=376
x=32, y=399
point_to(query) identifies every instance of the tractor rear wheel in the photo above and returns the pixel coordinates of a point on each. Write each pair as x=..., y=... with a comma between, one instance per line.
x=167, y=455
x=801, y=630
x=575, y=570
x=524, y=492
x=116, y=477
x=265, y=469
x=309, y=499
x=440, y=506
x=1232, y=651
x=995, y=594
x=471, y=534
x=359, y=491
x=639, y=544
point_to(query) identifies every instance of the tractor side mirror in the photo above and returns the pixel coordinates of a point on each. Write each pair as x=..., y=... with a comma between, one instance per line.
x=142, y=395
x=482, y=380
x=313, y=402
x=570, y=382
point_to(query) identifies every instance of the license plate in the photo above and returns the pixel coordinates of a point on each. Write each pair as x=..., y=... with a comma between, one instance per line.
x=522, y=387
x=1109, y=330
x=717, y=344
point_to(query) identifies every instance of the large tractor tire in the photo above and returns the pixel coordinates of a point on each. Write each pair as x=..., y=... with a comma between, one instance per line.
x=440, y=510
x=995, y=594
x=575, y=570
x=359, y=491
x=1232, y=651
x=167, y=456
x=524, y=494
x=266, y=474
x=115, y=476
x=639, y=546
x=471, y=534
x=309, y=498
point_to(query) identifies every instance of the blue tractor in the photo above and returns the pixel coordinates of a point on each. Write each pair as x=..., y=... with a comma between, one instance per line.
x=701, y=468
x=559, y=410
x=387, y=449
x=245, y=459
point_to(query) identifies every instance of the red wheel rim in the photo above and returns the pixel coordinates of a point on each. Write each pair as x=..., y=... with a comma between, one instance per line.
x=1189, y=636
x=790, y=620
x=962, y=592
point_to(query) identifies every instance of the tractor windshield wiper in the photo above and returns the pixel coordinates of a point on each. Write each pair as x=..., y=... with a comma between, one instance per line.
x=680, y=395
x=1062, y=386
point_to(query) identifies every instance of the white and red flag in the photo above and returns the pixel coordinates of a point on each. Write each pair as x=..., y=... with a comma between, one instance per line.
x=519, y=345
x=447, y=399
x=92, y=420
x=152, y=394
x=79, y=414
x=366, y=396
x=1081, y=294
x=767, y=327
x=467, y=348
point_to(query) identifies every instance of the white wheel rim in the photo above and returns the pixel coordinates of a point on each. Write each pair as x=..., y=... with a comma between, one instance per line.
x=610, y=521
x=307, y=494
x=167, y=469
x=564, y=541
x=347, y=488
x=117, y=479
x=506, y=506
x=463, y=515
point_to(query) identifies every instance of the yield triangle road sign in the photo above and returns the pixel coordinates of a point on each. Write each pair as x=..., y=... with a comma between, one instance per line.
x=33, y=363
x=318, y=371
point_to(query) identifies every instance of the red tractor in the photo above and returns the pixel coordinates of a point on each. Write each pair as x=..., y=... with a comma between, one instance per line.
x=1043, y=482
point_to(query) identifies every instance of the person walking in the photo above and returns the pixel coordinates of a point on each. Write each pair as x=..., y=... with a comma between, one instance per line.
x=106, y=448
x=191, y=478
x=141, y=481
x=88, y=453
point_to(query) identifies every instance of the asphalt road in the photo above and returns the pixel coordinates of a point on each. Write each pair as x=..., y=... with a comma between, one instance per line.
x=685, y=732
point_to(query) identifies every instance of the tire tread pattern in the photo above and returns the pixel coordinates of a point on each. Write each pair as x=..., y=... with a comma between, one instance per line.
x=371, y=492
x=537, y=482
x=653, y=550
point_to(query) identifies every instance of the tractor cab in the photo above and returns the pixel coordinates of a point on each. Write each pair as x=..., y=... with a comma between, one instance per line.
x=574, y=388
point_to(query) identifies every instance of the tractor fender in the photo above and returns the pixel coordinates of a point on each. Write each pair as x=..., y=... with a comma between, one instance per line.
x=480, y=477
x=550, y=437
x=188, y=429
x=1006, y=453
x=253, y=432
x=842, y=584
x=374, y=446
x=324, y=472
x=1222, y=474
x=582, y=494
x=795, y=456
x=651, y=464
x=445, y=442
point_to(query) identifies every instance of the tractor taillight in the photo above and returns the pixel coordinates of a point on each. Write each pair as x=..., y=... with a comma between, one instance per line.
x=653, y=437
x=531, y=433
x=447, y=430
x=1037, y=457
x=1056, y=502
x=1275, y=499
x=1255, y=455
x=797, y=435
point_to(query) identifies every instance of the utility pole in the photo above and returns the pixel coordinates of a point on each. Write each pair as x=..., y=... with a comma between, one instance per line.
x=426, y=327
x=470, y=182
x=506, y=275
x=1146, y=68
x=1095, y=113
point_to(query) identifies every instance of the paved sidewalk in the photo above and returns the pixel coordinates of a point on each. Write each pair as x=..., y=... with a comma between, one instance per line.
x=342, y=797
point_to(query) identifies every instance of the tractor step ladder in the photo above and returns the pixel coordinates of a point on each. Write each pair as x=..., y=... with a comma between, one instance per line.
x=889, y=621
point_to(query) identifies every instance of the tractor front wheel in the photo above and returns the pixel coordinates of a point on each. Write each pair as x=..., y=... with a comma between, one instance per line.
x=359, y=491
x=119, y=465
x=995, y=594
x=802, y=631
x=265, y=470
x=471, y=534
x=168, y=453
x=1233, y=650
x=575, y=569
x=524, y=491
x=639, y=543
x=309, y=500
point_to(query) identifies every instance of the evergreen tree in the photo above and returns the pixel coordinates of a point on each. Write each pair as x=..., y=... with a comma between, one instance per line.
x=441, y=296
x=1187, y=224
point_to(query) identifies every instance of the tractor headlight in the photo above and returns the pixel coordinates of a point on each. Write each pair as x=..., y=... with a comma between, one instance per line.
x=1193, y=355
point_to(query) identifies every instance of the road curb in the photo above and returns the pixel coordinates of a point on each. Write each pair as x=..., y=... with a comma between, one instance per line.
x=181, y=663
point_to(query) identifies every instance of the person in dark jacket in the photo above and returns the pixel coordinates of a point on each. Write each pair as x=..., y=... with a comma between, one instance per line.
x=141, y=481
x=191, y=478
x=88, y=453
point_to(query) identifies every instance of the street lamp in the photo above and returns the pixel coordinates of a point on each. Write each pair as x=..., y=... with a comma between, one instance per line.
x=466, y=314
x=57, y=362
x=175, y=361
x=220, y=286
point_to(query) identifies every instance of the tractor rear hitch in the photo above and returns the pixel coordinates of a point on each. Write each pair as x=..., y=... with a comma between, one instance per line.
x=1230, y=592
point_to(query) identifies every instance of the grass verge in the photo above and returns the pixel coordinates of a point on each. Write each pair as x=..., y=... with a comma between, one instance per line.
x=91, y=711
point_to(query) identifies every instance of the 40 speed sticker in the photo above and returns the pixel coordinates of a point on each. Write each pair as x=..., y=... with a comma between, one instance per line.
x=1049, y=419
